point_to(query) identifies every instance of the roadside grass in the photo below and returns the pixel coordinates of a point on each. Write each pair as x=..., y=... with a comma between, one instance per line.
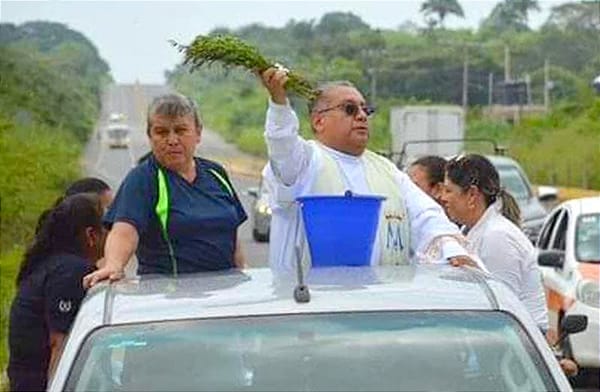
x=9, y=265
x=36, y=164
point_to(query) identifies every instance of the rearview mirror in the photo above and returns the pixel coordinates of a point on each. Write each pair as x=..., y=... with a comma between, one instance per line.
x=574, y=323
x=551, y=258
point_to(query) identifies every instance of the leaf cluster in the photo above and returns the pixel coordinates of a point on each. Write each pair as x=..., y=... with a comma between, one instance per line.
x=231, y=51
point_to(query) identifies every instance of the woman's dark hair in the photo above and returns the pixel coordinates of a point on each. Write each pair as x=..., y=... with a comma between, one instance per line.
x=84, y=185
x=62, y=230
x=87, y=185
x=476, y=170
x=435, y=167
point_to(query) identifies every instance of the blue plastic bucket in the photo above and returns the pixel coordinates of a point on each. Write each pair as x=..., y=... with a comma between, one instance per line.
x=340, y=230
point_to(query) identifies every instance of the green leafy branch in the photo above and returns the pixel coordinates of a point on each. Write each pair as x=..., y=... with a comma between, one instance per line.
x=233, y=52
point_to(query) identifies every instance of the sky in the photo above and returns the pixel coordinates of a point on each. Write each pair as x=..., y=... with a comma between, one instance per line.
x=132, y=36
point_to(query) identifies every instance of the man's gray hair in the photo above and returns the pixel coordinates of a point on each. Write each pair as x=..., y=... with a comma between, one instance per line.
x=322, y=89
x=175, y=105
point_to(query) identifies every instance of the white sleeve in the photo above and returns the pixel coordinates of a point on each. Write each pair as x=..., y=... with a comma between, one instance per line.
x=427, y=220
x=502, y=257
x=289, y=153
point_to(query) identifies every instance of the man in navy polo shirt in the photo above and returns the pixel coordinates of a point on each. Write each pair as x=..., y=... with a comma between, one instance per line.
x=179, y=213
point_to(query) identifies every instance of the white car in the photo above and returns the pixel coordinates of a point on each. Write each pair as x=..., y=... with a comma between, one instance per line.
x=569, y=246
x=116, y=117
x=117, y=135
x=406, y=328
x=261, y=212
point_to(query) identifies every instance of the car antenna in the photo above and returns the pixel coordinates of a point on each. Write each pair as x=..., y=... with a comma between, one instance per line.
x=301, y=292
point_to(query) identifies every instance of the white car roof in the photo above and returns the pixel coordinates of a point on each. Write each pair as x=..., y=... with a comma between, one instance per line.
x=586, y=205
x=260, y=292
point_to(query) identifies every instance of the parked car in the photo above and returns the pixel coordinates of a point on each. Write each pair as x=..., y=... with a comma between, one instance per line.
x=569, y=256
x=363, y=328
x=261, y=212
x=118, y=135
x=515, y=181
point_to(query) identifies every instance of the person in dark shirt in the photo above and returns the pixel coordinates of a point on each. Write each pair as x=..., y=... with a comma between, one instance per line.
x=177, y=212
x=49, y=288
x=83, y=185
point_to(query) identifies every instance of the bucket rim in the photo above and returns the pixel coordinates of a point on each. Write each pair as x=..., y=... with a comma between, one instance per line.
x=340, y=197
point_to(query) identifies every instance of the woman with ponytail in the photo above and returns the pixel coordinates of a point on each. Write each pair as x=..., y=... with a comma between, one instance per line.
x=491, y=219
x=49, y=288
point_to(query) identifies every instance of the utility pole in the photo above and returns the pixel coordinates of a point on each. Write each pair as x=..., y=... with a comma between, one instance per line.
x=546, y=85
x=506, y=63
x=528, y=86
x=491, y=89
x=465, y=91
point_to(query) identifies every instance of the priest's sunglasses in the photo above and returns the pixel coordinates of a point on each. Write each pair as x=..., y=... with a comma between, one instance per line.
x=351, y=109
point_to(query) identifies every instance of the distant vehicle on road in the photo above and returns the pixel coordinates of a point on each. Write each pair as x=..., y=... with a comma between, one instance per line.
x=117, y=135
x=515, y=181
x=116, y=117
x=429, y=123
x=569, y=257
x=409, y=328
x=261, y=212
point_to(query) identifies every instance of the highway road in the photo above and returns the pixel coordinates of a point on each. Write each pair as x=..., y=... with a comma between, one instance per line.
x=112, y=164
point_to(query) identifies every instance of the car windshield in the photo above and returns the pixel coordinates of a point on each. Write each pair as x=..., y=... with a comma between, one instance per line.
x=587, y=238
x=513, y=181
x=375, y=351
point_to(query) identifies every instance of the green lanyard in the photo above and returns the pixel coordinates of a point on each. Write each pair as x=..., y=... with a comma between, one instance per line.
x=163, y=206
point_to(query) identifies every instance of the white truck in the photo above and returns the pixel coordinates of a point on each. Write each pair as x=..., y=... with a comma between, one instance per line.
x=421, y=130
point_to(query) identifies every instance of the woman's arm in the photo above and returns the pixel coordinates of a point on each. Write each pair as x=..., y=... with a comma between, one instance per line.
x=57, y=340
x=121, y=243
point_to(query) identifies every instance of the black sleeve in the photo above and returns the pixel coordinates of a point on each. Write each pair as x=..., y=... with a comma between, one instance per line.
x=63, y=294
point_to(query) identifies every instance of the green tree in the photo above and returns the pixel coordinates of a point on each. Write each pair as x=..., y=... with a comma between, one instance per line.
x=441, y=8
x=510, y=16
x=575, y=16
x=338, y=23
x=523, y=8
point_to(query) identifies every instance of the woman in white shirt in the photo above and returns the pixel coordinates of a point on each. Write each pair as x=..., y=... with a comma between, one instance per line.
x=491, y=218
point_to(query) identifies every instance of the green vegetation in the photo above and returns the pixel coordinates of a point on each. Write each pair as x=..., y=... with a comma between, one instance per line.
x=231, y=51
x=425, y=65
x=49, y=101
